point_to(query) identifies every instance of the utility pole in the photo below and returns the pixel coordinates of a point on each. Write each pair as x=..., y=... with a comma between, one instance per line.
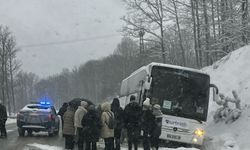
x=141, y=34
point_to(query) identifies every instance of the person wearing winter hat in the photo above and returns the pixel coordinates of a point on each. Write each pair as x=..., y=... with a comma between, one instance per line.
x=79, y=114
x=107, y=133
x=156, y=131
x=147, y=123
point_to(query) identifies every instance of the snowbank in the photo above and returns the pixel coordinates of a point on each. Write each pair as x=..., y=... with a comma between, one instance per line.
x=231, y=73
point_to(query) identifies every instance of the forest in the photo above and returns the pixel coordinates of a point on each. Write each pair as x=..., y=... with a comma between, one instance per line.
x=190, y=33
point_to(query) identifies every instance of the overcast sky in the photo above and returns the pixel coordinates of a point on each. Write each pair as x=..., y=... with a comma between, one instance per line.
x=56, y=34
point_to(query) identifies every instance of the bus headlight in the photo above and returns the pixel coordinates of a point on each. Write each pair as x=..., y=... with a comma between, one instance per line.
x=195, y=140
x=199, y=132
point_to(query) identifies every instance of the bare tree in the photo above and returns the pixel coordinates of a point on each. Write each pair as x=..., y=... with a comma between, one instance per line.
x=8, y=66
x=179, y=32
x=146, y=15
x=245, y=32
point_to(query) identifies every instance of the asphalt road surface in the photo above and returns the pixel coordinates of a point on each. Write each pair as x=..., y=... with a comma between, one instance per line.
x=14, y=142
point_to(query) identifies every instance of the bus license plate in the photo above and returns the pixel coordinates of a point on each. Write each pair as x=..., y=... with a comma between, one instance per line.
x=177, y=137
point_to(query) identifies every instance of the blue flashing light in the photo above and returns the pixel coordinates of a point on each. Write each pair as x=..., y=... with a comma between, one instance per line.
x=45, y=101
x=42, y=103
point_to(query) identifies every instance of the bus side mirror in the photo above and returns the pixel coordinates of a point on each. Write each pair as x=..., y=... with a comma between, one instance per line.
x=147, y=84
x=215, y=92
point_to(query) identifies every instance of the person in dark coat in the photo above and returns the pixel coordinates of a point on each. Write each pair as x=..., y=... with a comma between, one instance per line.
x=132, y=117
x=62, y=110
x=69, y=128
x=156, y=132
x=91, y=125
x=147, y=123
x=118, y=113
x=3, y=119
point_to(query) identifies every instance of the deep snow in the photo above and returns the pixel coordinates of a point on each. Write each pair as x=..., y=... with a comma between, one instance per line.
x=231, y=73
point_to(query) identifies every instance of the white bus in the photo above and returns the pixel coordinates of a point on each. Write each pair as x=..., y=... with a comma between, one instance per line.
x=182, y=93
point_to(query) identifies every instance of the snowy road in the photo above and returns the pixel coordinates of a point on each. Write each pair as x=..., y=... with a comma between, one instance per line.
x=40, y=141
x=14, y=142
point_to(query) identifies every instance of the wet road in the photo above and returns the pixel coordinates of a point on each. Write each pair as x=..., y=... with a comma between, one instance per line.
x=14, y=142
x=38, y=141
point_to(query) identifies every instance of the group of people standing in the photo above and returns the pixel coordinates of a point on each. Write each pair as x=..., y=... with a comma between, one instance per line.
x=3, y=119
x=88, y=123
x=147, y=119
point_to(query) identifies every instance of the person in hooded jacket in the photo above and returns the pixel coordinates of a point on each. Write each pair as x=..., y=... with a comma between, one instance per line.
x=107, y=133
x=147, y=123
x=3, y=119
x=118, y=113
x=79, y=114
x=132, y=118
x=92, y=124
x=62, y=110
x=156, y=132
x=68, y=128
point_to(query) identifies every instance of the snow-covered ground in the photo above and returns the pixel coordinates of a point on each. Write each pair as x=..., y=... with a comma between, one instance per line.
x=231, y=73
x=48, y=147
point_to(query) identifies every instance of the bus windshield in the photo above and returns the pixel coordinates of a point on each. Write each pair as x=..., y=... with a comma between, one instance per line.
x=180, y=93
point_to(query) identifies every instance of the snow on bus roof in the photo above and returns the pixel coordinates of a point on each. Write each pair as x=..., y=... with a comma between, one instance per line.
x=177, y=67
x=147, y=67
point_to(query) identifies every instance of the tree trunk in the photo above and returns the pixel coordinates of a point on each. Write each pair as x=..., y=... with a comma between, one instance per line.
x=162, y=32
x=12, y=85
x=207, y=33
x=195, y=37
x=198, y=33
x=214, y=32
x=244, y=9
x=179, y=33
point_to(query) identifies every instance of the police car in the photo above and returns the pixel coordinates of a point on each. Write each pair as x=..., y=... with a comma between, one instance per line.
x=36, y=117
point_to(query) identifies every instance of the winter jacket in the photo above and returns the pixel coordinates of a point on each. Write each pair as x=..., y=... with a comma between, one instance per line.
x=3, y=113
x=91, y=126
x=106, y=132
x=68, y=128
x=148, y=121
x=62, y=110
x=80, y=112
x=132, y=115
x=118, y=113
x=156, y=132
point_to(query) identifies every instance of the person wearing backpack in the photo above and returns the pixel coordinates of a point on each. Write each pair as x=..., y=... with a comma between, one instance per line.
x=80, y=112
x=132, y=118
x=92, y=125
x=118, y=113
x=107, y=130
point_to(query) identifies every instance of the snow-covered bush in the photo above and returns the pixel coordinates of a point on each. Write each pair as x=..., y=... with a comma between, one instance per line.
x=225, y=113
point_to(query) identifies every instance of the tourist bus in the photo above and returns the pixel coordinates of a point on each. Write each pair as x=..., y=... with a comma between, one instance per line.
x=182, y=93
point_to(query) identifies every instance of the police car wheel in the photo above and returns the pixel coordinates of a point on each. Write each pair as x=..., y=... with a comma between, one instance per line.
x=29, y=132
x=21, y=132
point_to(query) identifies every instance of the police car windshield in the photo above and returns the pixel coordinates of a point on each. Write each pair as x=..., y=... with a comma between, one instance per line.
x=180, y=93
